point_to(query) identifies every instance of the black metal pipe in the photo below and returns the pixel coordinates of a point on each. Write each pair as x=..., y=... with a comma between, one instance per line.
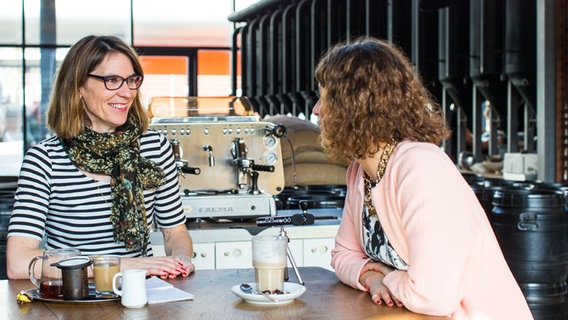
x=234, y=59
x=275, y=61
x=257, y=9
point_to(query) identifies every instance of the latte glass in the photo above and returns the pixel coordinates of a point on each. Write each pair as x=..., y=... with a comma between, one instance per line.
x=269, y=262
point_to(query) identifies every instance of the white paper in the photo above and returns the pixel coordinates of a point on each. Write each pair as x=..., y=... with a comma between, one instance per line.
x=159, y=291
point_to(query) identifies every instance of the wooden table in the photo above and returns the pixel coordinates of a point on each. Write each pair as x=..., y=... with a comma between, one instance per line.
x=325, y=298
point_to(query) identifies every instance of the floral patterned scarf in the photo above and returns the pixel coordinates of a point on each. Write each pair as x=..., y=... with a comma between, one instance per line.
x=118, y=154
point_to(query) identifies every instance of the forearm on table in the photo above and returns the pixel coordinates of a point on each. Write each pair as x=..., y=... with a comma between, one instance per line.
x=371, y=269
x=19, y=253
x=177, y=241
x=348, y=266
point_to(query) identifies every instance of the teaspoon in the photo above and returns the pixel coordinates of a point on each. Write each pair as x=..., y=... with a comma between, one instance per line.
x=247, y=288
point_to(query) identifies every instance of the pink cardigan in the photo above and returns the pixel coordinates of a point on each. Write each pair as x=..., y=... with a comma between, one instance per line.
x=435, y=223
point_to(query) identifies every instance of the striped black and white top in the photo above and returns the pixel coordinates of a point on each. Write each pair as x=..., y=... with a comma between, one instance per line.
x=57, y=201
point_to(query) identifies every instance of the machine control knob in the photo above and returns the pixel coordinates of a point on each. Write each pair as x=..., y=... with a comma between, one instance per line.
x=278, y=130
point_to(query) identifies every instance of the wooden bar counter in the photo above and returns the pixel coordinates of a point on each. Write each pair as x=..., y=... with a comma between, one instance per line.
x=325, y=298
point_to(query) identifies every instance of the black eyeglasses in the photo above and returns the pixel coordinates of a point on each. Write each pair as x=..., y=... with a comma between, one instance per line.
x=115, y=82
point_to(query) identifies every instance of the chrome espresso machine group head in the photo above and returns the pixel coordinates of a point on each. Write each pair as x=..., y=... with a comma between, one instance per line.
x=229, y=162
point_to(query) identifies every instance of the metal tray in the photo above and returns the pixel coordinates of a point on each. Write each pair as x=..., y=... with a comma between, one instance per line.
x=91, y=298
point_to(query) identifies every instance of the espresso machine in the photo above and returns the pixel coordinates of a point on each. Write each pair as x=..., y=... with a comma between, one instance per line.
x=229, y=161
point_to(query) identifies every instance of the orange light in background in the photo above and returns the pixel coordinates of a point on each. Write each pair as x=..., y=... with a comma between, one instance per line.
x=164, y=65
x=168, y=75
x=164, y=76
x=213, y=62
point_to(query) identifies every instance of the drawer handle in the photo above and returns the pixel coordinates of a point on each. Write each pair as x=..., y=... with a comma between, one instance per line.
x=314, y=250
x=237, y=252
x=194, y=255
x=324, y=249
x=204, y=254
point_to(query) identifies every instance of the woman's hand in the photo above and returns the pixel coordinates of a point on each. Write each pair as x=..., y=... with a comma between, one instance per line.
x=163, y=267
x=186, y=264
x=378, y=291
x=378, y=267
x=179, y=247
x=372, y=276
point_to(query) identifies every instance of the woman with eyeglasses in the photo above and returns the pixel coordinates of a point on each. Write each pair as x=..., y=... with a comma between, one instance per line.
x=103, y=181
x=413, y=233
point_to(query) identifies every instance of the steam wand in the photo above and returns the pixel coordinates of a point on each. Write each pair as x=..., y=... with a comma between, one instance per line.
x=291, y=258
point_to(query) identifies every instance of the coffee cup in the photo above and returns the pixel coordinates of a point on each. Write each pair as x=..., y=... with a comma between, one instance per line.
x=269, y=261
x=50, y=281
x=133, y=289
x=104, y=269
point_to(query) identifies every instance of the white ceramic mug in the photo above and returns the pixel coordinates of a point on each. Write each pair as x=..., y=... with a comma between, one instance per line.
x=133, y=293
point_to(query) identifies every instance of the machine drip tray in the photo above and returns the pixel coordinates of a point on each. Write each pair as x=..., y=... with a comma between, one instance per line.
x=232, y=206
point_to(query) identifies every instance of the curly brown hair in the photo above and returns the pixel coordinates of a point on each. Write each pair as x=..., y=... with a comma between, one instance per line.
x=372, y=94
x=66, y=116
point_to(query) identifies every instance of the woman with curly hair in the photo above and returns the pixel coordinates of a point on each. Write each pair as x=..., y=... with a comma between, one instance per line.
x=413, y=233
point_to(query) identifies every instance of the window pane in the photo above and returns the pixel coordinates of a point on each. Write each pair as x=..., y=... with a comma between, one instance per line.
x=213, y=73
x=11, y=22
x=76, y=19
x=41, y=68
x=14, y=104
x=164, y=76
x=182, y=23
x=11, y=143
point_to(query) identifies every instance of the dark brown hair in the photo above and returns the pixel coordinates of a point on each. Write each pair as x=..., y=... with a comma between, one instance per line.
x=372, y=94
x=66, y=115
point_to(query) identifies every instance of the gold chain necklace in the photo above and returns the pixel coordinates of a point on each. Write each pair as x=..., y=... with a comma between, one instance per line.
x=369, y=184
x=96, y=181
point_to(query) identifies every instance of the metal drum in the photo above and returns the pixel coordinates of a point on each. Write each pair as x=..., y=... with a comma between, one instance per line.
x=531, y=227
x=485, y=189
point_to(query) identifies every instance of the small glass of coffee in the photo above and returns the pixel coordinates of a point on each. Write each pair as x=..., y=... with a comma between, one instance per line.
x=104, y=269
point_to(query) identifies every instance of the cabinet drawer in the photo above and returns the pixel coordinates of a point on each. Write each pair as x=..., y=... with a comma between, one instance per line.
x=317, y=252
x=236, y=254
x=204, y=256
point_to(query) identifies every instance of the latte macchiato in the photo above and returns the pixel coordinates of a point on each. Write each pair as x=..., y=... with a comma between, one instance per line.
x=269, y=262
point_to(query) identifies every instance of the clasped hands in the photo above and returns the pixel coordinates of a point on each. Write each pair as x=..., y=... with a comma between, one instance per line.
x=372, y=276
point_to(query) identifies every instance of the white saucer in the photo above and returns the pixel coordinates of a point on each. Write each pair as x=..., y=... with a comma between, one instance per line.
x=294, y=290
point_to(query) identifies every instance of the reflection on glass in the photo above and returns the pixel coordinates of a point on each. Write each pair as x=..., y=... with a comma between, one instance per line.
x=76, y=19
x=11, y=22
x=213, y=73
x=182, y=23
x=164, y=76
x=178, y=109
x=11, y=138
